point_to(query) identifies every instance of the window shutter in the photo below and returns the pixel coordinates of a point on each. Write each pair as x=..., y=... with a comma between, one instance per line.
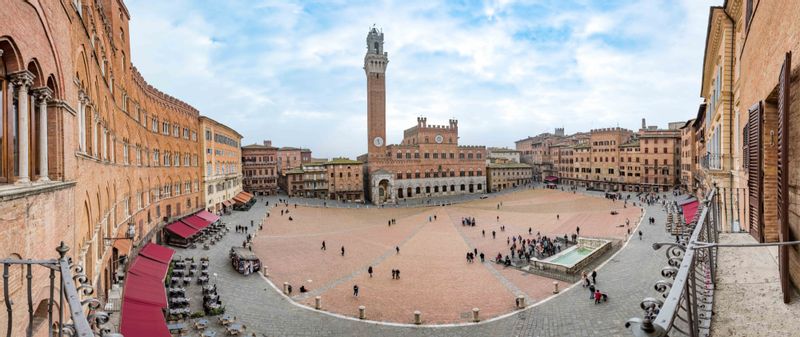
x=754, y=187
x=784, y=83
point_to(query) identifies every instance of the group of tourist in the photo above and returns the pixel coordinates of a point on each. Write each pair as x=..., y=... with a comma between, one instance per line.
x=392, y=221
x=594, y=292
x=469, y=221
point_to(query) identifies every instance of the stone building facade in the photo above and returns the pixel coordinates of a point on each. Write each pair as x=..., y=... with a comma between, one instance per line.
x=260, y=168
x=507, y=174
x=428, y=162
x=222, y=165
x=96, y=157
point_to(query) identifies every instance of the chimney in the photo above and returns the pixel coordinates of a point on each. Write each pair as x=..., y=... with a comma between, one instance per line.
x=644, y=124
x=268, y=143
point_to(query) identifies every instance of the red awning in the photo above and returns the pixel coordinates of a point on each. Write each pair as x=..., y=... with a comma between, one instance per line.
x=142, y=320
x=689, y=210
x=149, y=268
x=243, y=197
x=240, y=200
x=196, y=222
x=551, y=178
x=227, y=203
x=248, y=194
x=208, y=216
x=181, y=229
x=145, y=289
x=157, y=253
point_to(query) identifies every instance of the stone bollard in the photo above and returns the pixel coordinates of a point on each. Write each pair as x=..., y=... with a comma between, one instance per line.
x=555, y=287
x=265, y=272
x=318, y=302
x=362, y=312
x=417, y=317
x=520, y=302
x=476, y=315
x=285, y=288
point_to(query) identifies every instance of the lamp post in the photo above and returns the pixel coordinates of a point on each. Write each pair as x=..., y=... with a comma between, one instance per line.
x=129, y=235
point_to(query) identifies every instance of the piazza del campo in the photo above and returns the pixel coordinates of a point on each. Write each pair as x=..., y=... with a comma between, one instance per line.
x=268, y=200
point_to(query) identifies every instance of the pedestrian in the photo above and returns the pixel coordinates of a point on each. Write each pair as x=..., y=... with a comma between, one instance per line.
x=434, y=217
x=398, y=273
x=591, y=291
x=578, y=230
x=640, y=235
x=342, y=250
x=355, y=290
x=594, y=276
x=493, y=234
x=323, y=245
x=483, y=232
x=530, y=230
x=558, y=216
x=482, y=256
x=397, y=249
x=289, y=289
x=369, y=270
x=585, y=279
x=498, y=218
x=597, y=296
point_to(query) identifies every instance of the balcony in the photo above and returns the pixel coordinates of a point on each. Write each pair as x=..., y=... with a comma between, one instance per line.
x=74, y=288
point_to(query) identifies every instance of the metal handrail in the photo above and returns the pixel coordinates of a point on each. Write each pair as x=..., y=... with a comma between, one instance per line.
x=690, y=275
x=75, y=288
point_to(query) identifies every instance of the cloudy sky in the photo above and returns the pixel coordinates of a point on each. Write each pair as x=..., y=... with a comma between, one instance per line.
x=292, y=71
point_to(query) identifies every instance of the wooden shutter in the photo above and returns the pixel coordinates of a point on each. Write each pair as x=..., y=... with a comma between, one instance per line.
x=754, y=181
x=784, y=83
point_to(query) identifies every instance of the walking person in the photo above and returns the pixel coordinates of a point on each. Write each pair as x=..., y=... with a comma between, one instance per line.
x=342, y=250
x=355, y=290
x=594, y=276
x=597, y=296
x=369, y=270
x=323, y=246
x=640, y=235
x=585, y=279
x=397, y=249
x=591, y=291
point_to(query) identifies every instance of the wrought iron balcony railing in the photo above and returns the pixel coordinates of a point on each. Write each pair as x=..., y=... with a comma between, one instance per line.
x=687, y=292
x=74, y=290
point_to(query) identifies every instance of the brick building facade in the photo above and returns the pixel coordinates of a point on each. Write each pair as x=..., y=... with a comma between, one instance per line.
x=428, y=162
x=96, y=157
x=260, y=168
x=611, y=159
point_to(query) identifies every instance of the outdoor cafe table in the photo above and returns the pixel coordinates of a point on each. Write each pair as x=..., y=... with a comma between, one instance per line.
x=226, y=319
x=179, y=300
x=176, y=327
x=235, y=327
x=201, y=323
x=210, y=297
x=176, y=290
x=209, y=333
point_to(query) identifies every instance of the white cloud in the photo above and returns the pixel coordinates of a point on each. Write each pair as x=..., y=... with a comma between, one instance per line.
x=291, y=71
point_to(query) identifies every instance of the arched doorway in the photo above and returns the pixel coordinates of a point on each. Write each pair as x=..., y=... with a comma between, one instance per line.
x=383, y=191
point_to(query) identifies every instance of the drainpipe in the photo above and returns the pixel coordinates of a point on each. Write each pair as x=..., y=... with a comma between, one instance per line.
x=730, y=109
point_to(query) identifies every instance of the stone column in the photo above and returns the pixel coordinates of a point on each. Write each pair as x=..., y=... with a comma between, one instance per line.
x=23, y=80
x=43, y=95
x=95, y=127
x=82, y=121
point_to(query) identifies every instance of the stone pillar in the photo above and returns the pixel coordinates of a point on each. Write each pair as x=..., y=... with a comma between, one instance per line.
x=555, y=287
x=43, y=95
x=362, y=312
x=82, y=121
x=318, y=302
x=520, y=302
x=417, y=317
x=95, y=151
x=476, y=315
x=23, y=80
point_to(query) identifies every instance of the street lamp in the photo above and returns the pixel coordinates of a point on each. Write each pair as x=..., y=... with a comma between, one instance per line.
x=129, y=235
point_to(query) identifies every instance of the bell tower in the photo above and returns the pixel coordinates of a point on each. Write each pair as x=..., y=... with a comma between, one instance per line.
x=375, y=62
